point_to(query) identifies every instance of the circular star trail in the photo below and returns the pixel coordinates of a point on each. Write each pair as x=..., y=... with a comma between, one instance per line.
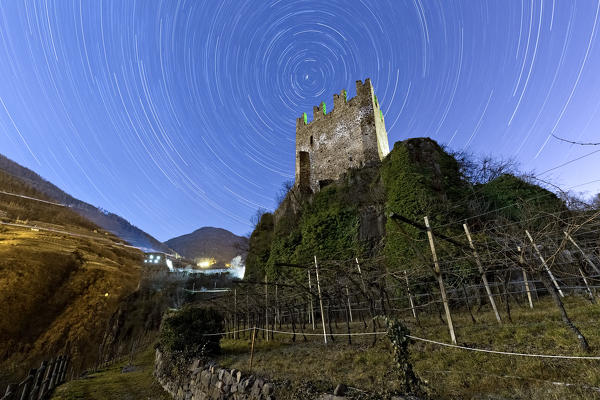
x=181, y=114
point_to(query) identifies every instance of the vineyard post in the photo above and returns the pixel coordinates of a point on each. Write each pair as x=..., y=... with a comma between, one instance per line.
x=587, y=286
x=522, y=262
x=584, y=255
x=440, y=281
x=410, y=297
x=235, y=319
x=320, y=300
x=247, y=312
x=312, y=309
x=349, y=306
x=361, y=277
x=252, y=348
x=544, y=264
x=482, y=272
x=277, y=306
x=267, y=306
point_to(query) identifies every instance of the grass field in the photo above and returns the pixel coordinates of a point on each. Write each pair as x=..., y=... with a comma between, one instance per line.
x=450, y=373
x=112, y=384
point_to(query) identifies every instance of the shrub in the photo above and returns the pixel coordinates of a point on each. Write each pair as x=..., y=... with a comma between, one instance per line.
x=184, y=332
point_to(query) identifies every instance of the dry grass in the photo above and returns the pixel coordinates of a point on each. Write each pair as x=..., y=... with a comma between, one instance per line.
x=451, y=373
x=112, y=384
x=53, y=295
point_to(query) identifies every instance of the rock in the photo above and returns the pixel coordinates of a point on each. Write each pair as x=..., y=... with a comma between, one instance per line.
x=340, y=390
x=227, y=378
x=267, y=389
x=205, y=378
x=128, y=368
x=247, y=383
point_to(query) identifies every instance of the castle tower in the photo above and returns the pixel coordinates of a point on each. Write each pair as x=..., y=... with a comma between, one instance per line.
x=352, y=135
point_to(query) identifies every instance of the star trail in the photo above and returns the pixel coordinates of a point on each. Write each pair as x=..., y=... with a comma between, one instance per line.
x=181, y=114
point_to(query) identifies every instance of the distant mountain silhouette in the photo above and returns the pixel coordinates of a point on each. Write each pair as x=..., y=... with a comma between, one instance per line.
x=209, y=242
x=104, y=219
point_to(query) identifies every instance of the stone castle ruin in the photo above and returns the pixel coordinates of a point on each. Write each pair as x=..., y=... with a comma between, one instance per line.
x=352, y=135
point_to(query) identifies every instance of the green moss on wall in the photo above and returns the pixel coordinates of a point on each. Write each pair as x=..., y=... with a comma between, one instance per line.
x=328, y=228
x=259, y=248
x=416, y=179
x=420, y=179
x=515, y=199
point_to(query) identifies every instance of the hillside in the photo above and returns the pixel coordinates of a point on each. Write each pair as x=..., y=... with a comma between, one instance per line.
x=208, y=242
x=109, y=221
x=61, y=278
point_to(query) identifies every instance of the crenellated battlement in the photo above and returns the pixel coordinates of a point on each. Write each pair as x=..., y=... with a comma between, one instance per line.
x=350, y=135
x=364, y=92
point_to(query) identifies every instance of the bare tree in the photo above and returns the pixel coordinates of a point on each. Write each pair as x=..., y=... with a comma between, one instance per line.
x=479, y=170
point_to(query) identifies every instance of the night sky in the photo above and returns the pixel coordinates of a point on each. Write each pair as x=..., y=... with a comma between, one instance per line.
x=181, y=114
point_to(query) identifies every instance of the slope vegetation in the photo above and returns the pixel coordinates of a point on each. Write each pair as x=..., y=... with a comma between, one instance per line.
x=61, y=277
x=108, y=221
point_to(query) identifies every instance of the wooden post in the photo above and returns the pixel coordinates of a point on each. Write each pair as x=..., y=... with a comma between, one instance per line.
x=266, y=307
x=320, y=300
x=410, y=297
x=522, y=261
x=27, y=384
x=527, y=289
x=46, y=380
x=10, y=391
x=440, y=281
x=277, y=316
x=349, y=306
x=252, y=348
x=361, y=276
x=312, y=309
x=482, y=272
x=587, y=286
x=39, y=378
x=582, y=253
x=544, y=264
x=64, y=372
x=235, y=317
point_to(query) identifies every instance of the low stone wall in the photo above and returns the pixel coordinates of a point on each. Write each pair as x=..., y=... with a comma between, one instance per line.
x=209, y=382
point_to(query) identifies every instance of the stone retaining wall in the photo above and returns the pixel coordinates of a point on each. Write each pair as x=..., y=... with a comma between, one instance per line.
x=209, y=382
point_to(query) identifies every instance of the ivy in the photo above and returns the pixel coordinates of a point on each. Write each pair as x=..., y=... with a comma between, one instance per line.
x=410, y=382
x=375, y=100
x=345, y=96
x=305, y=118
x=324, y=108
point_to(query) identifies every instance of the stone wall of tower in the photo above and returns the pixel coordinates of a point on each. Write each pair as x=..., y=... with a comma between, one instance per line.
x=349, y=136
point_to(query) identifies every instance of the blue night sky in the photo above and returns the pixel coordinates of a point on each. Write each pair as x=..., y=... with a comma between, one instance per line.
x=181, y=114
